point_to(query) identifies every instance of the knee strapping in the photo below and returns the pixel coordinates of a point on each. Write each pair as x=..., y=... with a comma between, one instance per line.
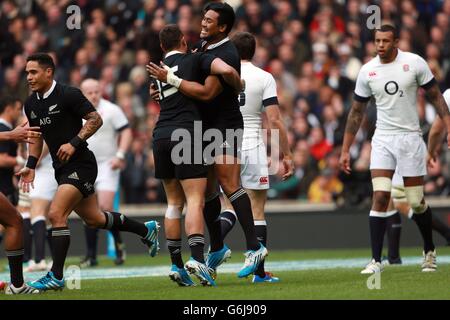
x=382, y=184
x=398, y=194
x=174, y=211
x=415, y=199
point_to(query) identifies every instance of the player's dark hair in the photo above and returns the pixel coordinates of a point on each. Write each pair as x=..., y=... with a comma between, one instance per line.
x=6, y=101
x=226, y=14
x=388, y=28
x=245, y=44
x=170, y=37
x=43, y=59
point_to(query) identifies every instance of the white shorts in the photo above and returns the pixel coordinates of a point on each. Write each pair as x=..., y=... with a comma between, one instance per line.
x=45, y=184
x=107, y=178
x=404, y=152
x=254, y=168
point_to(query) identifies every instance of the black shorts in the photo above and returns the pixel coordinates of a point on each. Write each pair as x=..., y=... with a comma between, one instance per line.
x=179, y=167
x=229, y=143
x=81, y=174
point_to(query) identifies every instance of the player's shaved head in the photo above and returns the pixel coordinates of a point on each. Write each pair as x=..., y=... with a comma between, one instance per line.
x=91, y=89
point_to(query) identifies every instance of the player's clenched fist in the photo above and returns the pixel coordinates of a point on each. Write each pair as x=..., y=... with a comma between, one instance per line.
x=65, y=152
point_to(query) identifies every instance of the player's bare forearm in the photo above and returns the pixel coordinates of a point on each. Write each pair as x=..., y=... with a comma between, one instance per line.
x=6, y=161
x=436, y=136
x=276, y=122
x=354, y=120
x=435, y=97
x=93, y=123
x=206, y=92
x=125, y=139
x=230, y=75
x=35, y=148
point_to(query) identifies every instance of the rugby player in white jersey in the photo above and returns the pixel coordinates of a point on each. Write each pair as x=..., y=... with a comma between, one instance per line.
x=109, y=144
x=41, y=196
x=393, y=78
x=259, y=95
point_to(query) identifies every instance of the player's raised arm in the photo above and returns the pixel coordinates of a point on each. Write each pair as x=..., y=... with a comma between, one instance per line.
x=434, y=95
x=354, y=120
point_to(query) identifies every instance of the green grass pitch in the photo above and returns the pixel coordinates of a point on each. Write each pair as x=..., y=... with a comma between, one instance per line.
x=397, y=282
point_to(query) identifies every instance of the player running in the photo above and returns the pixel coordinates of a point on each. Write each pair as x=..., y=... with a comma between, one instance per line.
x=59, y=111
x=393, y=78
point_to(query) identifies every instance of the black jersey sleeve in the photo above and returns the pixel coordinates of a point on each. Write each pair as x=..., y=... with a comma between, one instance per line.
x=33, y=121
x=205, y=61
x=78, y=103
x=4, y=145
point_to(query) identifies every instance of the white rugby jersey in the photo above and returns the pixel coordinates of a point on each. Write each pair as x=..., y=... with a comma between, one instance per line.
x=260, y=91
x=446, y=95
x=394, y=86
x=103, y=143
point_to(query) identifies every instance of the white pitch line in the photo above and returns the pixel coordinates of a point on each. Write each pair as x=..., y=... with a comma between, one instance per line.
x=157, y=271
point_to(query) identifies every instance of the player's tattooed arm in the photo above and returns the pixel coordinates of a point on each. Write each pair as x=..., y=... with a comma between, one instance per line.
x=354, y=120
x=434, y=95
x=93, y=123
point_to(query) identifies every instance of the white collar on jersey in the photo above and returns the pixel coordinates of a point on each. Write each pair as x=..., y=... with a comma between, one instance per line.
x=215, y=45
x=48, y=92
x=6, y=123
x=171, y=53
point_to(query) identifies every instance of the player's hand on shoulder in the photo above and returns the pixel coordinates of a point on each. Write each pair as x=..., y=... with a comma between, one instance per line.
x=344, y=162
x=158, y=72
x=26, y=179
x=65, y=152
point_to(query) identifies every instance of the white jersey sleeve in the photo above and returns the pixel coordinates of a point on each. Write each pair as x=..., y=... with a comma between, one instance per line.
x=270, y=91
x=423, y=72
x=446, y=95
x=119, y=120
x=362, y=88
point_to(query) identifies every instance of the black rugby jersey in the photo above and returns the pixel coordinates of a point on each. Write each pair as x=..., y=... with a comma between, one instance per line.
x=59, y=114
x=223, y=109
x=6, y=174
x=177, y=110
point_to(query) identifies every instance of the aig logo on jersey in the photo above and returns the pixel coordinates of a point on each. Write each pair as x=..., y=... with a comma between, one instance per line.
x=45, y=121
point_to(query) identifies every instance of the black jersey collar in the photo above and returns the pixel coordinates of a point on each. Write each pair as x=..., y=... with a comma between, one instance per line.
x=215, y=45
x=6, y=123
x=49, y=92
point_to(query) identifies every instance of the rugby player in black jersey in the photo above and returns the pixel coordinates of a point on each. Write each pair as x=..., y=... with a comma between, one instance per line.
x=59, y=110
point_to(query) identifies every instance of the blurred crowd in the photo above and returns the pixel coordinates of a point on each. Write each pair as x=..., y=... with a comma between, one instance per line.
x=314, y=49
